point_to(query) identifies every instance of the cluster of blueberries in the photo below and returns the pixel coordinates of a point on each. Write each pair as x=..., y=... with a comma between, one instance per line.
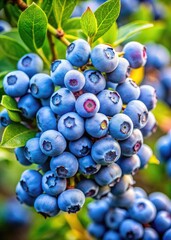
x=130, y=216
x=158, y=71
x=91, y=119
x=163, y=150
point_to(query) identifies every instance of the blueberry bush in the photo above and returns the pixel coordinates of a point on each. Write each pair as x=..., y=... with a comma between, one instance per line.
x=82, y=92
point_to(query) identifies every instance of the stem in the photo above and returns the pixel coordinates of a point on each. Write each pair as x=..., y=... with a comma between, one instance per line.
x=74, y=223
x=21, y=4
x=42, y=55
x=71, y=37
x=120, y=54
x=52, y=46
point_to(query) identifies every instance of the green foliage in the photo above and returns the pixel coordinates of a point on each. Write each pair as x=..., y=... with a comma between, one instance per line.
x=32, y=26
x=47, y=6
x=16, y=135
x=62, y=10
x=126, y=31
x=106, y=15
x=89, y=23
x=10, y=48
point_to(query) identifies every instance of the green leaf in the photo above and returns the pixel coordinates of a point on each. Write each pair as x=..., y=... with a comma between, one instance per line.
x=7, y=155
x=47, y=6
x=9, y=103
x=10, y=48
x=2, y=75
x=14, y=116
x=106, y=15
x=16, y=135
x=32, y=26
x=110, y=36
x=2, y=4
x=89, y=23
x=63, y=10
x=130, y=29
x=72, y=24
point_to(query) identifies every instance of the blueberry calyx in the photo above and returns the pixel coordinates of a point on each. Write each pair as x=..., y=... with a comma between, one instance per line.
x=26, y=61
x=109, y=53
x=110, y=156
x=47, y=146
x=51, y=181
x=125, y=127
x=137, y=146
x=24, y=185
x=11, y=80
x=61, y=171
x=69, y=122
x=94, y=77
x=73, y=82
x=103, y=125
x=90, y=170
x=89, y=105
x=56, y=99
x=70, y=48
x=34, y=89
x=74, y=209
x=143, y=117
x=54, y=65
x=85, y=150
x=114, y=96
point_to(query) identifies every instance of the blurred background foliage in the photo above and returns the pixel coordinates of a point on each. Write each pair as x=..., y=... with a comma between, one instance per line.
x=153, y=178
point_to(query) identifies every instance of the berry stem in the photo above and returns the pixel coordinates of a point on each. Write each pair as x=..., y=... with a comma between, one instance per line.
x=52, y=46
x=21, y=4
x=76, y=226
x=42, y=55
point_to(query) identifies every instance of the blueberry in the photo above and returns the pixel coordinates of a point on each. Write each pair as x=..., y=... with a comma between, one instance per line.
x=33, y=152
x=108, y=175
x=138, y=113
x=140, y=193
x=20, y=156
x=148, y=96
x=80, y=147
x=31, y=64
x=96, y=230
x=125, y=200
x=87, y=105
x=4, y=118
x=58, y=70
x=135, y=53
x=150, y=233
x=150, y=127
x=78, y=52
x=167, y=235
x=105, y=151
x=71, y=200
x=130, y=229
x=46, y=205
x=127, y=9
x=162, y=222
x=160, y=200
x=52, y=143
x=65, y=165
x=62, y=101
x=103, y=192
x=120, y=126
x=31, y=182
x=23, y=196
x=129, y=165
x=111, y=86
x=128, y=90
x=168, y=167
x=111, y=235
x=4, y=26
x=29, y=106
x=132, y=144
x=120, y=73
x=143, y=211
x=88, y=166
x=52, y=184
x=16, y=84
x=16, y=215
x=94, y=81
x=163, y=148
x=97, y=126
x=122, y=185
x=97, y=210
x=41, y=85
x=88, y=187
x=107, y=59
x=110, y=102
x=115, y=217
x=158, y=56
x=71, y=125
x=74, y=80
x=144, y=154
x=46, y=119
